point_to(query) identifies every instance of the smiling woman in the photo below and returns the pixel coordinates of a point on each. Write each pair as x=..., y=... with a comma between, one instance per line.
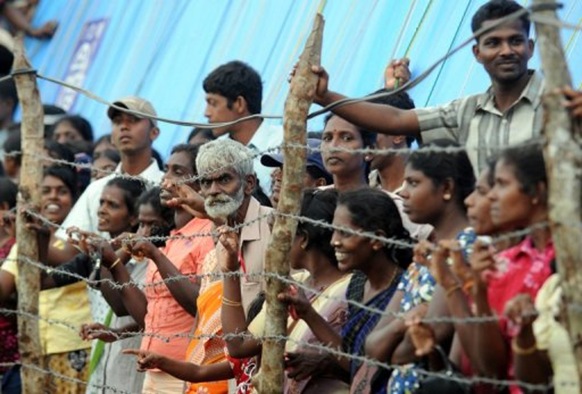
x=63, y=351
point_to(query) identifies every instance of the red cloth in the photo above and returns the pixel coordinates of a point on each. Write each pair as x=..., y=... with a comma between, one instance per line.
x=521, y=269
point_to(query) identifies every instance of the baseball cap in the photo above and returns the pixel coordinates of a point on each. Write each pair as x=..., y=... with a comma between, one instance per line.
x=135, y=104
x=313, y=158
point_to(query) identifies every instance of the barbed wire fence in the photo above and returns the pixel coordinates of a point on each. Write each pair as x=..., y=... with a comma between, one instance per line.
x=23, y=314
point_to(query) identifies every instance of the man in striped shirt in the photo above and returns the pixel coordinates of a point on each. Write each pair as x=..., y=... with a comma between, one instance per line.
x=509, y=112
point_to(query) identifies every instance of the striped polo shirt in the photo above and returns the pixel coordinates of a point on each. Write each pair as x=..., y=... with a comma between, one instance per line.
x=476, y=123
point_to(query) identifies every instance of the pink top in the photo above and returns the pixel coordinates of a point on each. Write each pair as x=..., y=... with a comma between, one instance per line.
x=521, y=269
x=165, y=317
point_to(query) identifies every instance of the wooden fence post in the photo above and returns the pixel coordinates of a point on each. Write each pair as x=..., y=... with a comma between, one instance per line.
x=563, y=154
x=301, y=94
x=28, y=283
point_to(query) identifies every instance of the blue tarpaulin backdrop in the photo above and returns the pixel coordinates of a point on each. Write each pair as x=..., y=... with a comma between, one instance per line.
x=163, y=49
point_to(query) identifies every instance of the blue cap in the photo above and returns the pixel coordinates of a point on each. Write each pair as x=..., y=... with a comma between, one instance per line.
x=313, y=157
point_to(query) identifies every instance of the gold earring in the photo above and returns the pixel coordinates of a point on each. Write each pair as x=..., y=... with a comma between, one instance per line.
x=447, y=197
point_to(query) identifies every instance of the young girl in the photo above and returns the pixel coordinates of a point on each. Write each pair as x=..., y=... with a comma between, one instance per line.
x=376, y=268
x=350, y=169
x=436, y=184
x=63, y=351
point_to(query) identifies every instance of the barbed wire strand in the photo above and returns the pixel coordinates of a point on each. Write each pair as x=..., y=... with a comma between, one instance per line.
x=342, y=354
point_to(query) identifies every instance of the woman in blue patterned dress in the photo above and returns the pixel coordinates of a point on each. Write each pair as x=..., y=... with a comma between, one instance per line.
x=436, y=185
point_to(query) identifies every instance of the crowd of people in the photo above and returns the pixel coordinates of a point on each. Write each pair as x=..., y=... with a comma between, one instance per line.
x=416, y=271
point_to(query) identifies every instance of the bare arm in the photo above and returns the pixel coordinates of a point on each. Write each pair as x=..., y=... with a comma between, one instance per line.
x=182, y=370
x=234, y=321
x=530, y=364
x=19, y=21
x=380, y=118
x=133, y=298
x=232, y=312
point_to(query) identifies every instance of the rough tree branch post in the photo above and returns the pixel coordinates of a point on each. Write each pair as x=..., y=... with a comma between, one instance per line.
x=28, y=283
x=563, y=154
x=301, y=94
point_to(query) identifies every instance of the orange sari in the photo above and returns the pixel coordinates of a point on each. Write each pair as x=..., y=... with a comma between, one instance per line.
x=207, y=346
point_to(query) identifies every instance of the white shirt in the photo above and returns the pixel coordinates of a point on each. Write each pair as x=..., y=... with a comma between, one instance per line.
x=267, y=136
x=84, y=213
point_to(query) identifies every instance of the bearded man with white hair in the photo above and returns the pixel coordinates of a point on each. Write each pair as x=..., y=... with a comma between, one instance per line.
x=227, y=181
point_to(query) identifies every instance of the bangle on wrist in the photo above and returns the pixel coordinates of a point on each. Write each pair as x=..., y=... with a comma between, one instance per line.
x=115, y=263
x=523, y=351
x=229, y=302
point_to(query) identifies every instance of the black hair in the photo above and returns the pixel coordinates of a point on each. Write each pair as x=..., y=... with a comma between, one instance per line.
x=440, y=165
x=260, y=195
x=191, y=150
x=6, y=61
x=399, y=100
x=497, y=9
x=368, y=137
x=256, y=306
x=12, y=146
x=104, y=137
x=8, y=192
x=490, y=164
x=319, y=205
x=132, y=189
x=8, y=92
x=235, y=79
x=110, y=154
x=316, y=173
x=66, y=174
x=206, y=133
x=79, y=123
x=152, y=197
x=51, y=113
x=50, y=109
x=59, y=151
x=528, y=164
x=373, y=211
x=158, y=158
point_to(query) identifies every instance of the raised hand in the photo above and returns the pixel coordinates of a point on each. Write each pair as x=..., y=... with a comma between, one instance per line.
x=422, y=336
x=227, y=249
x=521, y=311
x=301, y=365
x=179, y=194
x=574, y=101
x=422, y=252
x=295, y=298
x=45, y=31
x=482, y=259
x=97, y=331
x=396, y=73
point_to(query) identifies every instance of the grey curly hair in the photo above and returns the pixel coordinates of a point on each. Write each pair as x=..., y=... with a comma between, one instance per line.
x=224, y=153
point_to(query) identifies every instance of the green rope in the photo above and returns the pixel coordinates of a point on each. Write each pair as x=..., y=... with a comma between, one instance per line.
x=448, y=50
x=99, y=346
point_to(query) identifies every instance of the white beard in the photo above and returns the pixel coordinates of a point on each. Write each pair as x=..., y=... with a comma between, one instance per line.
x=223, y=206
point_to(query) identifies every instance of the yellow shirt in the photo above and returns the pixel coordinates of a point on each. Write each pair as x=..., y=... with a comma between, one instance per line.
x=553, y=337
x=332, y=297
x=68, y=304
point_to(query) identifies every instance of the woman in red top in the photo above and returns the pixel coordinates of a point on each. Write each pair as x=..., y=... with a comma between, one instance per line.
x=518, y=201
